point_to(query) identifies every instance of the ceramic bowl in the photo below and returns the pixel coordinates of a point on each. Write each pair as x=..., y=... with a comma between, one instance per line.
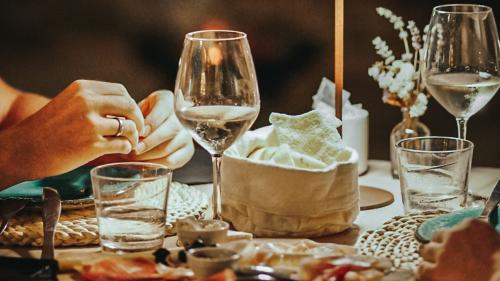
x=211, y=232
x=428, y=228
x=209, y=260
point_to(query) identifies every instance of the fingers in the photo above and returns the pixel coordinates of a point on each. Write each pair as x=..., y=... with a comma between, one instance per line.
x=123, y=106
x=177, y=159
x=165, y=132
x=110, y=99
x=426, y=271
x=120, y=145
x=431, y=251
x=441, y=236
x=109, y=127
x=104, y=88
x=181, y=139
x=156, y=109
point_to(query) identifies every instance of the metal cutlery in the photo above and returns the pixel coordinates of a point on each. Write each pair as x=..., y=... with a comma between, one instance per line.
x=51, y=211
x=491, y=204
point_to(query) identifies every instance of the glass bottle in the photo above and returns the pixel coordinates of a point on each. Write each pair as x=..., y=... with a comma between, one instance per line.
x=409, y=127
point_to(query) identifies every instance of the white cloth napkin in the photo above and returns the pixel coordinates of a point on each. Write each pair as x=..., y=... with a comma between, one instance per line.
x=354, y=119
x=294, y=178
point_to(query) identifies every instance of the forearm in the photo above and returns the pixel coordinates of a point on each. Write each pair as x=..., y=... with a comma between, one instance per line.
x=10, y=169
x=24, y=105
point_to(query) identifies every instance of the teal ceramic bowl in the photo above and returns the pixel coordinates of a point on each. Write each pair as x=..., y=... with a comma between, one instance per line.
x=428, y=228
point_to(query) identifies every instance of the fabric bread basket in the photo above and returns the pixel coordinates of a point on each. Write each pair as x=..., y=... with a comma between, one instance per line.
x=270, y=199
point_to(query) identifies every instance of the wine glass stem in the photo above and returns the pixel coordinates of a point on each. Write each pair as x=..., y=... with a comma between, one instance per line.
x=462, y=127
x=216, y=208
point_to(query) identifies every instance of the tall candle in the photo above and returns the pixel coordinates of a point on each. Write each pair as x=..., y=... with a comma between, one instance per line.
x=339, y=57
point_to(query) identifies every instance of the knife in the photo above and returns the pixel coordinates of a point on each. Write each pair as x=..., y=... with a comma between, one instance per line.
x=491, y=203
x=51, y=211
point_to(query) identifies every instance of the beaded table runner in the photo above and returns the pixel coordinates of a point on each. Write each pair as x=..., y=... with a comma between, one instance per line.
x=79, y=227
x=395, y=240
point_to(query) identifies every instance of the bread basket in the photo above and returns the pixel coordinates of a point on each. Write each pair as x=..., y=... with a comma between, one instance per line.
x=272, y=200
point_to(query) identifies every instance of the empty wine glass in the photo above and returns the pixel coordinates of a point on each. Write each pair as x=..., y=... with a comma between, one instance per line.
x=461, y=64
x=216, y=93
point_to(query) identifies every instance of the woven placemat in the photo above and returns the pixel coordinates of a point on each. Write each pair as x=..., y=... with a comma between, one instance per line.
x=79, y=227
x=395, y=240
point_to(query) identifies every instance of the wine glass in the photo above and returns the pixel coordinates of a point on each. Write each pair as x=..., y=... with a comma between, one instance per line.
x=216, y=93
x=461, y=63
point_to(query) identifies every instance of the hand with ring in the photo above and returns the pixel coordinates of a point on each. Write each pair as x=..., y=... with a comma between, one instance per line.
x=85, y=121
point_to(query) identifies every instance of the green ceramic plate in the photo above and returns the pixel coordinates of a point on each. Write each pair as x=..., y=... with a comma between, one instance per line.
x=428, y=228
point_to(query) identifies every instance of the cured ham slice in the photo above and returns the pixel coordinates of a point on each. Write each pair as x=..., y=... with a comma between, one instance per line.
x=128, y=269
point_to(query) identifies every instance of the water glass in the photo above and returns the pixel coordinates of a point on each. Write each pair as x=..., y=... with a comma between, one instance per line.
x=131, y=203
x=434, y=172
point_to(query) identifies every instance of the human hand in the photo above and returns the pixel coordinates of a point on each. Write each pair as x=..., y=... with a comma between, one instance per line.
x=165, y=140
x=73, y=129
x=464, y=252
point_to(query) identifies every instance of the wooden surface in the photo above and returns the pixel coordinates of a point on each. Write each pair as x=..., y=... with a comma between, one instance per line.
x=482, y=181
x=374, y=198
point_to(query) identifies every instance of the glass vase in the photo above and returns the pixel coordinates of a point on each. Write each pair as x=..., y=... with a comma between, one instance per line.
x=409, y=127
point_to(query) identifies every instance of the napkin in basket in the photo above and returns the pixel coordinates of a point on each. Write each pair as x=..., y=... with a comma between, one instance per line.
x=293, y=178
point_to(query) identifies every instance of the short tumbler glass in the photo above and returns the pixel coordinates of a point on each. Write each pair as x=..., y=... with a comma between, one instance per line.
x=131, y=204
x=434, y=172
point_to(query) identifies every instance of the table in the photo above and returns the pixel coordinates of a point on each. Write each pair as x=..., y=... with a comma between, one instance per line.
x=481, y=183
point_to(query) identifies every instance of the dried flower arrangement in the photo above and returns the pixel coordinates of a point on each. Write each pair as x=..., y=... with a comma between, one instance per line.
x=400, y=78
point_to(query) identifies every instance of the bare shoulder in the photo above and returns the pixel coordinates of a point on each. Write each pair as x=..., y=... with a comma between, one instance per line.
x=16, y=105
x=8, y=96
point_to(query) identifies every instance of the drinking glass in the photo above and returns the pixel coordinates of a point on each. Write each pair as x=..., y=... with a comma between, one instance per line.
x=461, y=62
x=131, y=204
x=434, y=172
x=216, y=93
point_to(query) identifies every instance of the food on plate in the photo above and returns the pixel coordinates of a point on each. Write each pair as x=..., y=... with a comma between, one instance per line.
x=129, y=269
x=346, y=268
x=283, y=254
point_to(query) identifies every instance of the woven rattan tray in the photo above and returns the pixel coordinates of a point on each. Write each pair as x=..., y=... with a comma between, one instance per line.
x=79, y=227
x=395, y=240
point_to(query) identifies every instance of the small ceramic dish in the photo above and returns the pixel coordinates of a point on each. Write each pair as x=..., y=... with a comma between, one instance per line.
x=425, y=231
x=207, y=261
x=211, y=232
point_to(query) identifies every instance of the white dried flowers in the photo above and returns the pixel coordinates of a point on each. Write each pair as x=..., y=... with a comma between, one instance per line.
x=400, y=78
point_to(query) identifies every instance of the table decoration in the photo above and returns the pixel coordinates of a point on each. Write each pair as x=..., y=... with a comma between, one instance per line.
x=395, y=240
x=294, y=178
x=400, y=81
x=338, y=54
x=79, y=227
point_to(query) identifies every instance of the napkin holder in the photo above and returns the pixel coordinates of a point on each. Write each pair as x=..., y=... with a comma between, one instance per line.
x=271, y=200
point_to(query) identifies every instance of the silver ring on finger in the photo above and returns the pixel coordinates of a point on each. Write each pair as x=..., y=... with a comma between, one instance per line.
x=119, y=131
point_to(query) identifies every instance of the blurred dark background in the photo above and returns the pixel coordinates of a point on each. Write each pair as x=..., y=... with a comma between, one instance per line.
x=44, y=45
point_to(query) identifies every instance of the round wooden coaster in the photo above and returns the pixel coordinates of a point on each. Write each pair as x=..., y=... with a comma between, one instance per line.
x=373, y=198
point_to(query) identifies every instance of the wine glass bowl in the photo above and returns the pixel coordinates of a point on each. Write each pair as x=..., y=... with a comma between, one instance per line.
x=461, y=62
x=216, y=92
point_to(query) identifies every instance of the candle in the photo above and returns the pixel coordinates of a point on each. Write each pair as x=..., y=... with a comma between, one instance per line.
x=339, y=57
